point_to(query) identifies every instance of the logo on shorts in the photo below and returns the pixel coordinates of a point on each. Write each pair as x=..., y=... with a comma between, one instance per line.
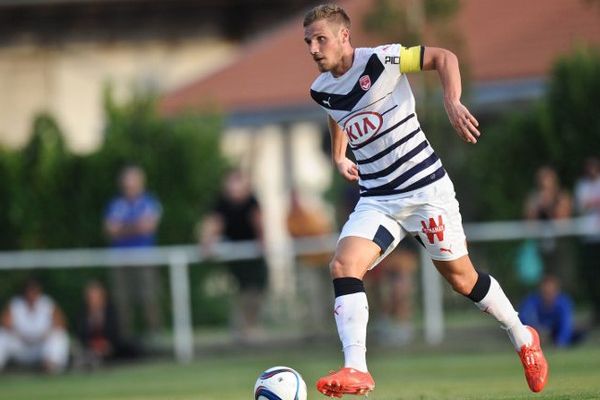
x=365, y=82
x=434, y=229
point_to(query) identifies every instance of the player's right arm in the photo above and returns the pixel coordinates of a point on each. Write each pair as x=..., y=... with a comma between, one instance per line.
x=339, y=142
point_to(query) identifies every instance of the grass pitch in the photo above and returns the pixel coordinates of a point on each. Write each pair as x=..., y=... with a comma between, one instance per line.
x=400, y=375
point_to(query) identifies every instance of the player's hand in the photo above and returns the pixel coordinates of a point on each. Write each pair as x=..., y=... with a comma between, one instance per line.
x=463, y=122
x=348, y=169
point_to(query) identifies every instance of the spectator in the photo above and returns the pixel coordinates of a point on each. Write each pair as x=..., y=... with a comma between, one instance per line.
x=313, y=275
x=587, y=198
x=34, y=331
x=550, y=311
x=131, y=220
x=549, y=202
x=97, y=328
x=236, y=217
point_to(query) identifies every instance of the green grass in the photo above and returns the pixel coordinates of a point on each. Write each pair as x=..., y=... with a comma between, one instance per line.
x=400, y=375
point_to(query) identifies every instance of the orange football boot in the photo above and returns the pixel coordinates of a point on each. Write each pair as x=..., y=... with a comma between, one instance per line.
x=534, y=363
x=346, y=381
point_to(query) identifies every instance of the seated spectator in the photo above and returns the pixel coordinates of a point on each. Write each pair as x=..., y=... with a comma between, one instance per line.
x=97, y=328
x=33, y=331
x=551, y=312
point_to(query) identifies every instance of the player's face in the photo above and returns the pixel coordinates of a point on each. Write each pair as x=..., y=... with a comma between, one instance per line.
x=325, y=43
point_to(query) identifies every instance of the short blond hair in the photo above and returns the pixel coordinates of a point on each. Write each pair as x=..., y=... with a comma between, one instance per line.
x=330, y=12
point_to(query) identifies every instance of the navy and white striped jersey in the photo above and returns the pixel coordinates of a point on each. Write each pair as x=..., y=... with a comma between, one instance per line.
x=375, y=106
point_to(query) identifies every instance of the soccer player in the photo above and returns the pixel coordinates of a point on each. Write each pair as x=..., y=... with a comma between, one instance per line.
x=403, y=185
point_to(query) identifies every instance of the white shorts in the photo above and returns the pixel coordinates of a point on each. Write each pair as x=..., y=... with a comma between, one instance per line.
x=431, y=215
x=54, y=348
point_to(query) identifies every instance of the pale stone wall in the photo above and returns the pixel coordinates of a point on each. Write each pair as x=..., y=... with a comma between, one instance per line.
x=68, y=81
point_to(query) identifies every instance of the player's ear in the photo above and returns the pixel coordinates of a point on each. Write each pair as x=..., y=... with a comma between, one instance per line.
x=345, y=34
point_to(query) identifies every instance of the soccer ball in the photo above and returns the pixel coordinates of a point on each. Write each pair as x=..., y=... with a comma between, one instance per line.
x=280, y=383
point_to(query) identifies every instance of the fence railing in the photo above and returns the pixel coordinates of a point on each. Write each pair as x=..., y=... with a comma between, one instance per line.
x=178, y=258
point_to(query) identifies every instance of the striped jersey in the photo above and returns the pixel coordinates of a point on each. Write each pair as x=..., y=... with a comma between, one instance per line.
x=375, y=106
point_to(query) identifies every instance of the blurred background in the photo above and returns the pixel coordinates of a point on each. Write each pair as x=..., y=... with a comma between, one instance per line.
x=166, y=191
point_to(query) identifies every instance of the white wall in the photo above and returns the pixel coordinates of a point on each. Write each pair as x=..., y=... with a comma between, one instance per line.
x=68, y=81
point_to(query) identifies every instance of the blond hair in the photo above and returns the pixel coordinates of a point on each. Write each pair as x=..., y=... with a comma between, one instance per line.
x=330, y=12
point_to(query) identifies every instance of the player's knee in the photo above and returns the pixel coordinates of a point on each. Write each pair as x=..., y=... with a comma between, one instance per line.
x=340, y=268
x=460, y=284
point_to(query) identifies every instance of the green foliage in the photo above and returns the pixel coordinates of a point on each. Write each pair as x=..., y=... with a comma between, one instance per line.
x=51, y=198
x=561, y=131
x=404, y=21
x=56, y=199
x=386, y=18
x=440, y=9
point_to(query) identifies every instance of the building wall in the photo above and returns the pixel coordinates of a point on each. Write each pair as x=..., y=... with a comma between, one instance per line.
x=68, y=81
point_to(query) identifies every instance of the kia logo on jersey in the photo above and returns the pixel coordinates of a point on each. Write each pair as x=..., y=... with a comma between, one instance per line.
x=362, y=126
x=365, y=82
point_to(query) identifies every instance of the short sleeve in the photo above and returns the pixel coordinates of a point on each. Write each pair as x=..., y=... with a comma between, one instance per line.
x=398, y=59
x=219, y=206
x=389, y=55
x=152, y=207
x=253, y=202
x=115, y=211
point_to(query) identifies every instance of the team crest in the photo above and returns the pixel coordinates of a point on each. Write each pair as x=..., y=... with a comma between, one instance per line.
x=365, y=82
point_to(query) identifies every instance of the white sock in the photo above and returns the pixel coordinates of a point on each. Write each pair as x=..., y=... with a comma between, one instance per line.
x=497, y=304
x=351, y=313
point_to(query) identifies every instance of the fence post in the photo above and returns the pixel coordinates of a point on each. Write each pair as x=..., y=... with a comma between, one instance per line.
x=433, y=312
x=181, y=309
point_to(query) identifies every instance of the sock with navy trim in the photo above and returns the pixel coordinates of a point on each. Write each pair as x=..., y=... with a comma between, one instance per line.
x=490, y=298
x=351, y=312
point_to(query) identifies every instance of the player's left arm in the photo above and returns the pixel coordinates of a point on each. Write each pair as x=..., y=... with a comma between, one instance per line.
x=446, y=64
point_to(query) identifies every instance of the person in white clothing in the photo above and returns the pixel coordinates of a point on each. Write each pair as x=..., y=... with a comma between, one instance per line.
x=33, y=331
x=404, y=187
x=587, y=199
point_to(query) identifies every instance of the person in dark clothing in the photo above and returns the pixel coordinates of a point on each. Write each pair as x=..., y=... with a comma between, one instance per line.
x=98, y=329
x=550, y=202
x=236, y=217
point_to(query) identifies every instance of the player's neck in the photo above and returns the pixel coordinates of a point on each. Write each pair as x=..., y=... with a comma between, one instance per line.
x=345, y=63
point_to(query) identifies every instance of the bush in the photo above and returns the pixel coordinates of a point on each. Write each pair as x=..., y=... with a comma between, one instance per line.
x=51, y=198
x=561, y=131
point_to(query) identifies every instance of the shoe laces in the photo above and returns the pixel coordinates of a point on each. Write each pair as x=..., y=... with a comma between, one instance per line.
x=529, y=356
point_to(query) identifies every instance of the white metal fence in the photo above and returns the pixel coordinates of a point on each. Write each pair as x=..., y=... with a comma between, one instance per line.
x=178, y=258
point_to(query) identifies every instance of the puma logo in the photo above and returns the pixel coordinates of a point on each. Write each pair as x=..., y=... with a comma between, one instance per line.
x=327, y=101
x=443, y=249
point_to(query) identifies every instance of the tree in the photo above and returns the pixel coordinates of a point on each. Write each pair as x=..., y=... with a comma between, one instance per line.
x=561, y=131
x=51, y=198
x=56, y=199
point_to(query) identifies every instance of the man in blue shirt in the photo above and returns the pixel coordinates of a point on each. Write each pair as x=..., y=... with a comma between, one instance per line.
x=551, y=311
x=131, y=220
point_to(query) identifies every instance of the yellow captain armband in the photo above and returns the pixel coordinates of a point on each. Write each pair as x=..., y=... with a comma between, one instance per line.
x=411, y=59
